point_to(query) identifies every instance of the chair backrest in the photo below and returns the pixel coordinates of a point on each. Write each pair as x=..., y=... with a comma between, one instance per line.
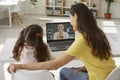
x=114, y=75
x=32, y=75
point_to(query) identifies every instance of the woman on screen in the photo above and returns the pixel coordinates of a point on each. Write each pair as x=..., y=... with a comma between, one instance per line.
x=60, y=34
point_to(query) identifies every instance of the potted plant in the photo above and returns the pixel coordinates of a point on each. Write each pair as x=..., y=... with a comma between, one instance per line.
x=108, y=14
x=33, y=2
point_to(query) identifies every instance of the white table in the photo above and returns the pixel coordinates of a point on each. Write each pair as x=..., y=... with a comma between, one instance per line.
x=8, y=4
x=6, y=53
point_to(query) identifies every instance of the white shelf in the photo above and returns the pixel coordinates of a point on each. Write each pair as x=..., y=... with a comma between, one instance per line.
x=96, y=8
x=66, y=14
x=49, y=6
x=53, y=6
x=65, y=5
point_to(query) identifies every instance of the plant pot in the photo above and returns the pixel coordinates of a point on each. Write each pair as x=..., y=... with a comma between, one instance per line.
x=107, y=15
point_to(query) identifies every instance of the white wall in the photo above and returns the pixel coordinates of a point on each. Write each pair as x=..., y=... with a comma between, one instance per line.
x=115, y=9
x=41, y=8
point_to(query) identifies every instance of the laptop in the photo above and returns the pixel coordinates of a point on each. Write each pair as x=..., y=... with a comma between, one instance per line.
x=60, y=35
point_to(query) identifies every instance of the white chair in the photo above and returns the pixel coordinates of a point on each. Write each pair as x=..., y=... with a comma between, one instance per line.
x=114, y=75
x=14, y=12
x=2, y=77
x=32, y=75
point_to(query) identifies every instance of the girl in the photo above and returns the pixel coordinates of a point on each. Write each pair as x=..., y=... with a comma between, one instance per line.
x=30, y=47
x=91, y=46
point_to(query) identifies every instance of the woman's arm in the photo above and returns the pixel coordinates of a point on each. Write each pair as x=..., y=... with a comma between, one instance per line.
x=49, y=65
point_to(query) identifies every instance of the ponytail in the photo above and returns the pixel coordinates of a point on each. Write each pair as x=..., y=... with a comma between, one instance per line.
x=41, y=50
x=18, y=46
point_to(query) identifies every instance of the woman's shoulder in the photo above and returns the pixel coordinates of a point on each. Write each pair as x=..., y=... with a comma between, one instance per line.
x=80, y=39
x=80, y=36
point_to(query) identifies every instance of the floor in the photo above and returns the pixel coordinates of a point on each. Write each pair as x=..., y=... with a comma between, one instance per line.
x=110, y=27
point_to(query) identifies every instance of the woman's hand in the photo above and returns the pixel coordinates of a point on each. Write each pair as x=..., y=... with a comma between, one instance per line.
x=13, y=67
x=77, y=69
x=83, y=68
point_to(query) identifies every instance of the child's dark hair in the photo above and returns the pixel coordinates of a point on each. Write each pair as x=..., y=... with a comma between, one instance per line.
x=33, y=36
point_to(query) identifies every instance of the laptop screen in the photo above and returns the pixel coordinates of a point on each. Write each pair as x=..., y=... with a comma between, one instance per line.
x=59, y=31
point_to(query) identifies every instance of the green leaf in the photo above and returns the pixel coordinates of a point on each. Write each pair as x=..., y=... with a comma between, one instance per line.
x=109, y=1
x=108, y=5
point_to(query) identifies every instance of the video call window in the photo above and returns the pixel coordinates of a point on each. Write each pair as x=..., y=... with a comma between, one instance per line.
x=59, y=31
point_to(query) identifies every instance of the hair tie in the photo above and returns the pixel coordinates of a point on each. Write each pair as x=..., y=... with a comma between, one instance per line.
x=38, y=35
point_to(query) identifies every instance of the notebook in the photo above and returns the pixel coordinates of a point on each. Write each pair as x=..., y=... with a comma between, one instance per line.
x=60, y=35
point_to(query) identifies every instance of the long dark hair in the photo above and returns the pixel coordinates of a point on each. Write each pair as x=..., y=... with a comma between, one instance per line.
x=94, y=36
x=33, y=36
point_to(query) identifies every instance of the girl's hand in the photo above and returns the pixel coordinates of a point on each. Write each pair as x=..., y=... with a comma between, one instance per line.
x=13, y=67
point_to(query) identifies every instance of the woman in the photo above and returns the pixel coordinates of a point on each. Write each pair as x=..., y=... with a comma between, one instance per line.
x=61, y=34
x=90, y=46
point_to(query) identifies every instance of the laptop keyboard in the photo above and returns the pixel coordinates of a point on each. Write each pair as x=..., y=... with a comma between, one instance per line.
x=60, y=43
x=60, y=46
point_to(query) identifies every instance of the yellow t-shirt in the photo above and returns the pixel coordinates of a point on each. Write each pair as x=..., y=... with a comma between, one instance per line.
x=97, y=69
